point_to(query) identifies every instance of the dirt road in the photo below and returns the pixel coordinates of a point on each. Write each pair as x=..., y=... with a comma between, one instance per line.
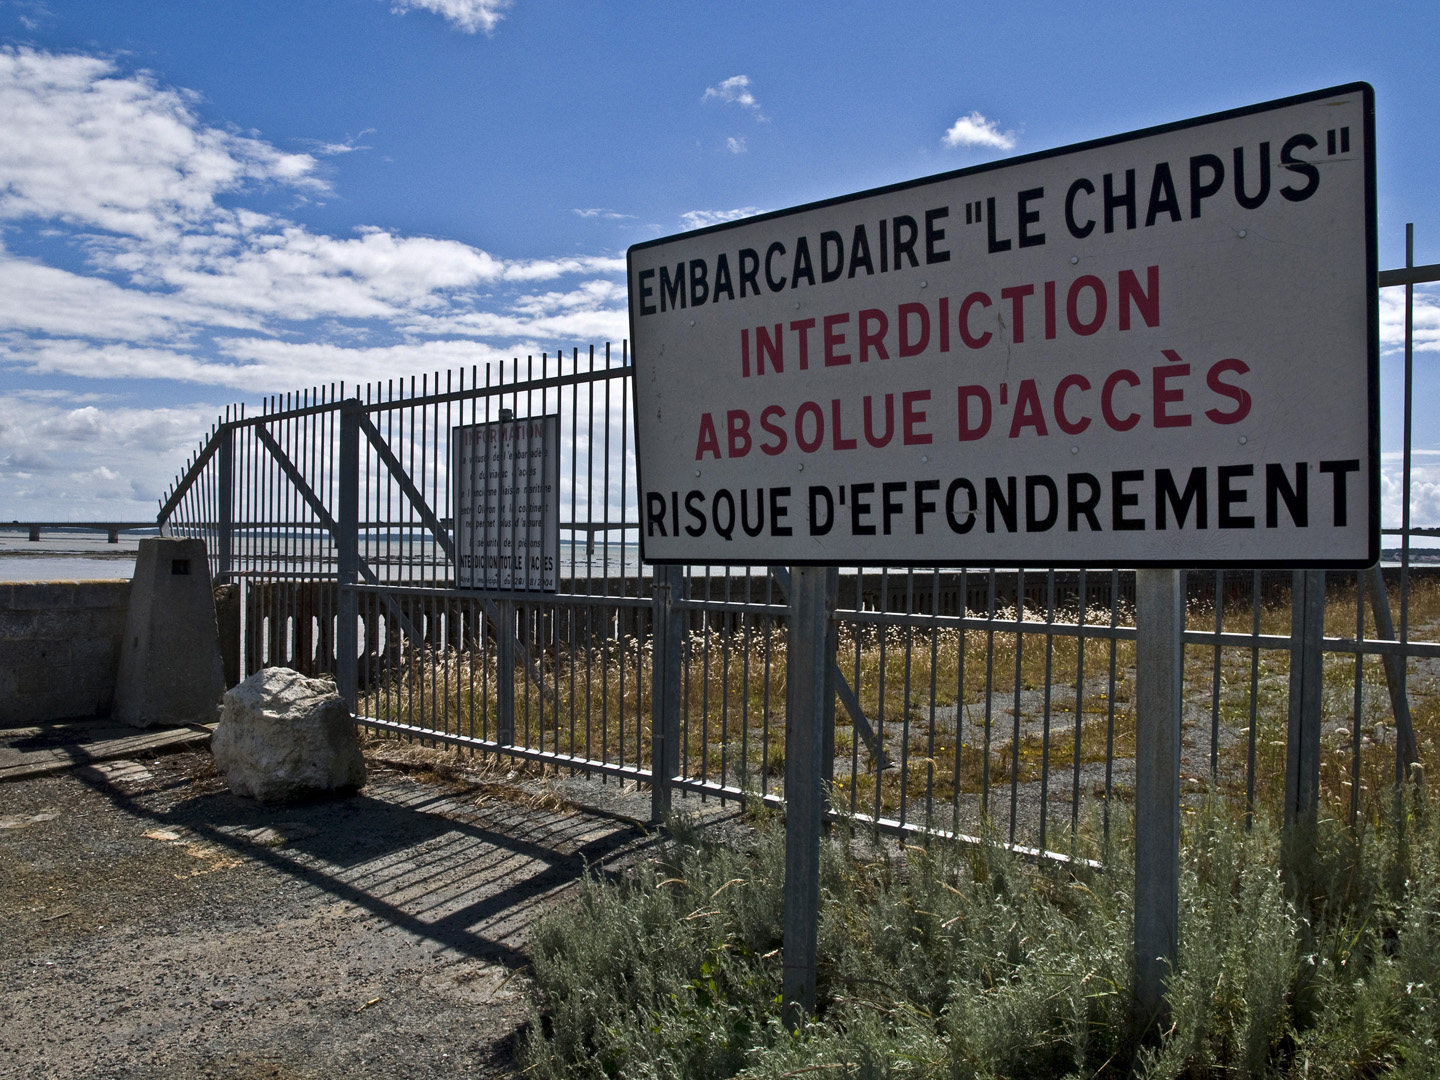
x=152, y=925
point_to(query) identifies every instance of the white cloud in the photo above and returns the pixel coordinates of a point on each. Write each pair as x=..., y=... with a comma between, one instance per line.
x=466, y=15
x=734, y=91
x=975, y=130
x=265, y=364
x=1425, y=316
x=179, y=283
x=1424, y=491
x=698, y=219
x=35, y=298
x=575, y=325
x=736, y=145
x=88, y=360
x=95, y=149
x=348, y=146
x=604, y=214
x=291, y=273
x=49, y=452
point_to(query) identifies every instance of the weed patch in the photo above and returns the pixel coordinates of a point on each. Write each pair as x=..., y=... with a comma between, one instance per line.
x=960, y=961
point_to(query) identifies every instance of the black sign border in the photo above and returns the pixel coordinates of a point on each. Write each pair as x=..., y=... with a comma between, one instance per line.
x=1372, y=248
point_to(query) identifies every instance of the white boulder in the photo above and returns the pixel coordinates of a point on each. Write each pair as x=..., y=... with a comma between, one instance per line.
x=282, y=736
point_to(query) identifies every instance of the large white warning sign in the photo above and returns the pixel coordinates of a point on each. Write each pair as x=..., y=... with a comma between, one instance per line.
x=1155, y=349
x=507, y=487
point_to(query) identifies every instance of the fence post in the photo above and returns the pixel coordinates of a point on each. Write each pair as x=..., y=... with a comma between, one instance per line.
x=665, y=703
x=1302, y=753
x=1159, y=673
x=806, y=665
x=505, y=674
x=348, y=554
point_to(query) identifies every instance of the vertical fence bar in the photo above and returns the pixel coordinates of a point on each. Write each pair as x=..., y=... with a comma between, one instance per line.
x=1159, y=670
x=827, y=701
x=505, y=674
x=1402, y=766
x=348, y=555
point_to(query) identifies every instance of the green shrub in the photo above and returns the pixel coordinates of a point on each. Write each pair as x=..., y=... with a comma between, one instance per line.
x=962, y=961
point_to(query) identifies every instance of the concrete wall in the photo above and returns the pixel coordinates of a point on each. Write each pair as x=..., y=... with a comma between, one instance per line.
x=60, y=648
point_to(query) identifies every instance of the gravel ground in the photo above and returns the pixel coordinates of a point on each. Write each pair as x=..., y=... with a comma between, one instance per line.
x=157, y=926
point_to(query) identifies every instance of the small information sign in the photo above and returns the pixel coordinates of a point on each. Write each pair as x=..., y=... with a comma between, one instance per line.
x=507, y=524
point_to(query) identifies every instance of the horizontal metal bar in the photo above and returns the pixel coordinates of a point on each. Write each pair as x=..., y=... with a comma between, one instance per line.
x=628, y=772
x=886, y=825
x=598, y=526
x=1409, y=275
x=283, y=575
x=88, y=526
x=738, y=607
x=441, y=592
x=974, y=622
x=1380, y=647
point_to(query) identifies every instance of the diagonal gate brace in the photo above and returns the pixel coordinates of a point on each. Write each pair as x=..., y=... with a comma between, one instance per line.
x=446, y=543
x=328, y=521
x=844, y=691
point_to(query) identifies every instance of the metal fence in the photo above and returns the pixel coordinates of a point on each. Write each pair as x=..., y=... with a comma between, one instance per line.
x=964, y=699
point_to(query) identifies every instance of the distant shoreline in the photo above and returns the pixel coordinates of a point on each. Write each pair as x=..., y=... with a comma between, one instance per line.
x=18, y=565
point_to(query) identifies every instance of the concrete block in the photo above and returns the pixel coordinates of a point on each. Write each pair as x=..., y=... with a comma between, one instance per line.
x=227, y=616
x=113, y=594
x=100, y=595
x=57, y=624
x=65, y=704
x=16, y=625
x=109, y=622
x=96, y=653
x=170, y=669
x=41, y=595
x=41, y=678
x=36, y=664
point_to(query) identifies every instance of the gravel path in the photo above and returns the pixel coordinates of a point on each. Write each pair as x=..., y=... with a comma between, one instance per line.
x=154, y=925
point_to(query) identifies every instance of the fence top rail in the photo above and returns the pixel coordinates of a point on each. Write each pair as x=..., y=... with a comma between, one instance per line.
x=436, y=397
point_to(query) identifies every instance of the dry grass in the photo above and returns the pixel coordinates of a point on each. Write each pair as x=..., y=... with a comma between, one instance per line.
x=958, y=712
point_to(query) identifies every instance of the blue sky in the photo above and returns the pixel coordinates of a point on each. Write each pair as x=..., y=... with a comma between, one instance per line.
x=203, y=203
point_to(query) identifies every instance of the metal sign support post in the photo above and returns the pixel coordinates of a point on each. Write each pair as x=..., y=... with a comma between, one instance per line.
x=666, y=687
x=811, y=600
x=1159, y=671
x=1302, y=752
